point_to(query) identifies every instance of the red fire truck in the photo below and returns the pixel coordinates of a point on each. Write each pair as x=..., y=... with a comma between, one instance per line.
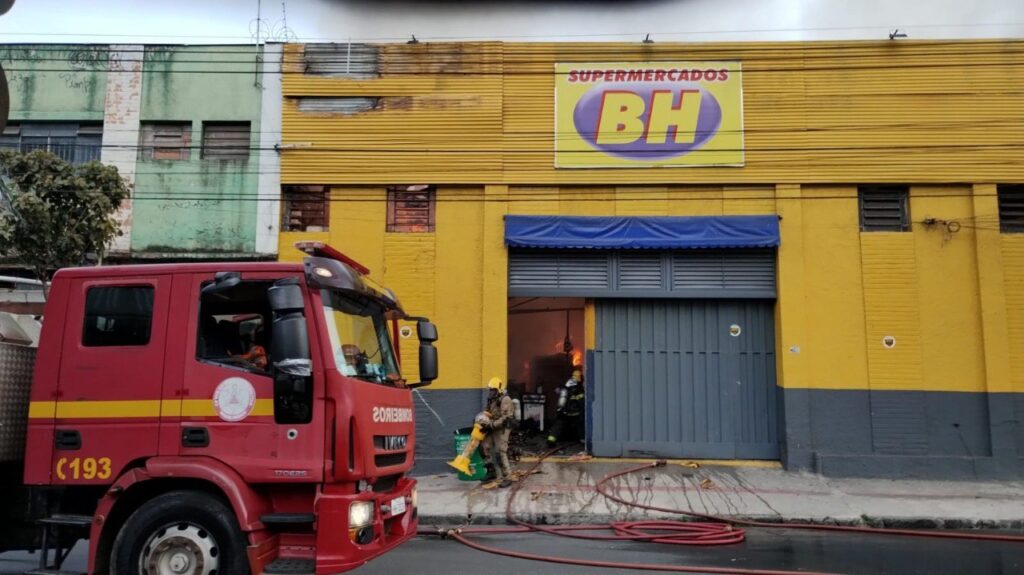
x=218, y=419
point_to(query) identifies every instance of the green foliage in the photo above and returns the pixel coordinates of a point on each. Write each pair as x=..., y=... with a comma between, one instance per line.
x=58, y=212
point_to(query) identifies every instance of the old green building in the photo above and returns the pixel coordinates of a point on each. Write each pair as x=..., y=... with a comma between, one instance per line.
x=193, y=129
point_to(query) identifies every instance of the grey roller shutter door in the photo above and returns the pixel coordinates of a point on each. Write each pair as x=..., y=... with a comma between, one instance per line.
x=668, y=378
x=717, y=274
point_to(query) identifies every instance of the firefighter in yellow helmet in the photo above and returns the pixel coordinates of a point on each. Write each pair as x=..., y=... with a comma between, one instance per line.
x=495, y=445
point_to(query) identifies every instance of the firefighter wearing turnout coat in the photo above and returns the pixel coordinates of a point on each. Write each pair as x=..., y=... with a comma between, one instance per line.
x=495, y=445
x=569, y=425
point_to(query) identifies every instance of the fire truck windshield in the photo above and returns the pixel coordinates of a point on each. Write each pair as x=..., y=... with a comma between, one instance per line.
x=359, y=338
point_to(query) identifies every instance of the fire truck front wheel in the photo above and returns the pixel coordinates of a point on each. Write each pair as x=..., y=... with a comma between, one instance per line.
x=181, y=533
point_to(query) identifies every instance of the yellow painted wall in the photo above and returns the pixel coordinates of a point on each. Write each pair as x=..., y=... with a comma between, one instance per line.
x=1013, y=269
x=476, y=120
x=850, y=288
x=826, y=112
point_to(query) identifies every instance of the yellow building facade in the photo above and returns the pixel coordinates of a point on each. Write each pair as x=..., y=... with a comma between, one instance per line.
x=890, y=352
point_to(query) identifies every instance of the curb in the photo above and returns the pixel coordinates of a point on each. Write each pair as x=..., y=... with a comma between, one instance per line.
x=924, y=523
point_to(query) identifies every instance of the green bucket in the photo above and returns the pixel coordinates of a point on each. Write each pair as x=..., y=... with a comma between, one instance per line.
x=476, y=463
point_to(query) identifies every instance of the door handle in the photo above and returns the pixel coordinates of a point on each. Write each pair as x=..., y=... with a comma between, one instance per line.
x=195, y=437
x=68, y=439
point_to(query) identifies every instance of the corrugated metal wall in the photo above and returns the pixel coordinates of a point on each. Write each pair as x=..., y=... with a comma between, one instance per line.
x=922, y=111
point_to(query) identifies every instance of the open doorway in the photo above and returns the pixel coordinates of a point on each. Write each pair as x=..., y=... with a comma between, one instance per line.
x=545, y=345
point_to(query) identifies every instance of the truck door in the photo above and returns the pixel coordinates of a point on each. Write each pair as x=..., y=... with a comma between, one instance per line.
x=111, y=374
x=228, y=407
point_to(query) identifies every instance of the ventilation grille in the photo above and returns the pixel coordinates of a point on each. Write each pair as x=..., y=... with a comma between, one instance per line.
x=698, y=274
x=884, y=209
x=1011, y=209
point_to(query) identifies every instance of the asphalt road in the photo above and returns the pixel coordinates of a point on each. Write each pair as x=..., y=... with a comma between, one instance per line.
x=771, y=549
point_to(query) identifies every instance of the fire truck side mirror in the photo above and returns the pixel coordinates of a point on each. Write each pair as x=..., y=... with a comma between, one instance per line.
x=289, y=352
x=426, y=331
x=428, y=353
x=289, y=339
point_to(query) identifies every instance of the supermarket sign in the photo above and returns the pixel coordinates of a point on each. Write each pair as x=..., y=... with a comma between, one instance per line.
x=645, y=115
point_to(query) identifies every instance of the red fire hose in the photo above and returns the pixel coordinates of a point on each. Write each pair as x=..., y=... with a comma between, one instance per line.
x=711, y=530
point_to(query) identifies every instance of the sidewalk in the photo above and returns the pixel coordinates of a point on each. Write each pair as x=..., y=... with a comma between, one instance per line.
x=564, y=493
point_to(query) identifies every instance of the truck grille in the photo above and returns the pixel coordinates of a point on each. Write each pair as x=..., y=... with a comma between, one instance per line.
x=389, y=459
x=386, y=483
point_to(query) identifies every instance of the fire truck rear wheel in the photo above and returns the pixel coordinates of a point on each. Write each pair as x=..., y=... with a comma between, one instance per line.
x=181, y=533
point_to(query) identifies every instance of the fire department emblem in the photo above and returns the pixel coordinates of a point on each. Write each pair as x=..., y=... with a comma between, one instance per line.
x=234, y=399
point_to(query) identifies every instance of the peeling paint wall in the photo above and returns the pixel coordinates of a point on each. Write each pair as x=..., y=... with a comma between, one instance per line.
x=56, y=82
x=121, y=127
x=191, y=207
x=198, y=207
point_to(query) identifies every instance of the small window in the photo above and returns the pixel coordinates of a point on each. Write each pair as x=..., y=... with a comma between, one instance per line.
x=884, y=208
x=226, y=140
x=234, y=327
x=165, y=141
x=118, y=316
x=306, y=208
x=1011, y=209
x=411, y=209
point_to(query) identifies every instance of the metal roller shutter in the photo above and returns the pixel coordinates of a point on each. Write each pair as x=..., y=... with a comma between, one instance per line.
x=718, y=274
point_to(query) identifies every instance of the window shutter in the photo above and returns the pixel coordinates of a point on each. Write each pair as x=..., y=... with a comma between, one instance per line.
x=226, y=140
x=1011, y=209
x=166, y=141
x=884, y=208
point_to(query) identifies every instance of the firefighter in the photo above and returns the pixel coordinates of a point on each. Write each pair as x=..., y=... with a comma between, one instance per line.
x=569, y=423
x=495, y=445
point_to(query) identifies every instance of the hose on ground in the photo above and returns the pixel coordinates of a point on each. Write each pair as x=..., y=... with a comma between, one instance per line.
x=710, y=530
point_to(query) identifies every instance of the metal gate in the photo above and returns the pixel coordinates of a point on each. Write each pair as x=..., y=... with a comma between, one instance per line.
x=684, y=378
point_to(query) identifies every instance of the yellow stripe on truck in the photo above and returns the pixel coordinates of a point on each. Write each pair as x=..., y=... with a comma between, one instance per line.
x=135, y=409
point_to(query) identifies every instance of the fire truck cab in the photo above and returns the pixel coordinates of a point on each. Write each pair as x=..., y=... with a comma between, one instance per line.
x=224, y=418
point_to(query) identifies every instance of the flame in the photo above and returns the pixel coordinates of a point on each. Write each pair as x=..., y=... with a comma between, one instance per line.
x=577, y=358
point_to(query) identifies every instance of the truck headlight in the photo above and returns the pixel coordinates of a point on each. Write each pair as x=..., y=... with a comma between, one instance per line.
x=414, y=501
x=360, y=514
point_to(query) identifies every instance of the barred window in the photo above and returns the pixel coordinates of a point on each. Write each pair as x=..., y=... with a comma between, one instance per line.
x=411, y=209
x=884, y=208
x=305, y=209
x=72, y=141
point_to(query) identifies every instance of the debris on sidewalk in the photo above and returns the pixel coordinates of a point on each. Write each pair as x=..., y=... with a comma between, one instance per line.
x=707, y=484
x=580, y=457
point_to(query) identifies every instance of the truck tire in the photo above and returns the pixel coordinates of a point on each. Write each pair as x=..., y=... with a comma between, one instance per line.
x=181, y=533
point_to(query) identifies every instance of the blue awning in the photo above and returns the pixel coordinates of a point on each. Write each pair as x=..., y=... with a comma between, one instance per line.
x=599, y=232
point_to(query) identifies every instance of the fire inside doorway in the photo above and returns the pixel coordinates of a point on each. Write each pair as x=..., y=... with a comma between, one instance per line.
x=545, y=346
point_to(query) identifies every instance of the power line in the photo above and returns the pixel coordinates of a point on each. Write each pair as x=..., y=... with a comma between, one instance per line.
x=515, y=197
x=549, y=135
x=639, y=34
x=796, y=67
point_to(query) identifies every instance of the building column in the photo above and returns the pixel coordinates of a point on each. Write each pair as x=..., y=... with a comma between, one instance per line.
x=494, y=344
x=791, y=331
x=995, y=331
x=121, y=113
x=268, y=207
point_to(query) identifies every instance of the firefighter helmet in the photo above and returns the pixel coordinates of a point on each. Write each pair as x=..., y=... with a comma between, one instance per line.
x=496, y=383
